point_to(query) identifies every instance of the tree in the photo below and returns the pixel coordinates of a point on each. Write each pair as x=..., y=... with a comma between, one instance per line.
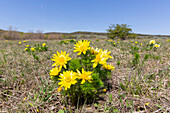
x=121, y=31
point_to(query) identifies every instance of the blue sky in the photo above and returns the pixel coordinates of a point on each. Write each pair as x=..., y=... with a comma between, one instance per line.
x=144, y=16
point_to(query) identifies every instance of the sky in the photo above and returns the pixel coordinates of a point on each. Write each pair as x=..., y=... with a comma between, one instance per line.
x=143, y=16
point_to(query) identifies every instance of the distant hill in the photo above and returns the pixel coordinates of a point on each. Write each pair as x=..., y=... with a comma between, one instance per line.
x=104, y=34
x=79, y=32
x=16, y=35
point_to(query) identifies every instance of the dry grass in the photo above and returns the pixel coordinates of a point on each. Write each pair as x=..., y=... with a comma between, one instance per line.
x=25, y=84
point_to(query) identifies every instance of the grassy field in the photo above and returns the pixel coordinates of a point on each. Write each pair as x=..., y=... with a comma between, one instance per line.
x=138, y=83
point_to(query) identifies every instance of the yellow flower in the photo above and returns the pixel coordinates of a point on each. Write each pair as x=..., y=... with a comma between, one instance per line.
x=85, y=75
x=24, y=41
x=54, y=71
x=114, y=43
x=156, y=45
x=67, y=79
x=99, y=59
x=32, y=49
x=104, y=90
x=110, y=40
x=59, y=89
x=6, y=40
x=24, y=98
x=61, y=59
x=94, y=51
x=38, y=110
x=106, y=54
x=131, y=41
x=168, y=40
x=133, y=44
x=27, y=45
x=20, y=42
x=26, y=49
x=147, y=103
x=44, y=44
x=141, y=44
x=152, y=42
x=136, y=42
x=109, y=67
x=82, y=46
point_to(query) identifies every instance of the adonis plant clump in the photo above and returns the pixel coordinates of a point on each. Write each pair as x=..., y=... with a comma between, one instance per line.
x=84, y=77
x=153, y=44
x=156, y=45
x=37, y=47
x=42, y=47
x=34, y=50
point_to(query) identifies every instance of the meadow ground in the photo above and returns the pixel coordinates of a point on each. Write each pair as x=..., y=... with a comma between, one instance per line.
x=139, y=83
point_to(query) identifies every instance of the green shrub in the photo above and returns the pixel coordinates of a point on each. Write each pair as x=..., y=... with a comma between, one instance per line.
x=121, y=31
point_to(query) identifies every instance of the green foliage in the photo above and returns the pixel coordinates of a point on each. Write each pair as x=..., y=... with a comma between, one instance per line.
x=146, y=57
x=41, y=48
x=136, y=59
x=75, y=64
x=97, y=40
x=35, y=57
x=149, y=47
x=134, y=49
x=63, y=42
x=132, y=36
x=118, y=63
x=72, y=40
x=121, y=31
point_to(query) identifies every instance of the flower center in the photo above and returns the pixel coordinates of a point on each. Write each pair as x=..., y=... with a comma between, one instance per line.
x=67, y=79
x=61, y=59
x=84, y=76
x=82, y=47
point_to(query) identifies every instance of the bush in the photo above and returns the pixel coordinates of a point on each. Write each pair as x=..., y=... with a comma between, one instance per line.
x=132, y=36
x=120, y=31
